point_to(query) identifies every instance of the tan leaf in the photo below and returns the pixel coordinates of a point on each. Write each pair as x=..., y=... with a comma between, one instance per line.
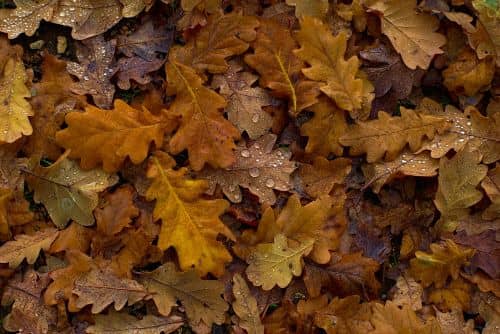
x=122, y=322
x=342, y=80
x=276, y=263
x=258, y=168
x=200, y=298
x=26, y=247
x=407, y=292
x=387, y=136
x=457, y=182
x=453, y=323
x=245, y=307
x=489, y=18
x=244, y=107
x=412, y=35
x=67, y=192
x=315, y=8
x=101, y=288
x=445, y=260
x=379, y=173
x=319, y=178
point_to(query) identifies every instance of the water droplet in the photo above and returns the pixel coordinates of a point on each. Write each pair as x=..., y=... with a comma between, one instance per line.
x=469, y=123
x=269, y=183
x=245, y=153
x=255, y=118
x=254, y=172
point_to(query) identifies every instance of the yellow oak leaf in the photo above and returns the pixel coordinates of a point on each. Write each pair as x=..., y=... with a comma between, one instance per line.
x=122, y=322
x=387, y=136
x=279, y=67
x=412, y=35
x=445, y=260
x=245, y=307
x=325, y=128
x=15, y=110
x=110, y=136
x=276, y=263
x=67, y=192
x=454, y=296
x=315, y=8
x=201, y=298
x=457, y=182
x=204, y=132
x=26, y=247
x=223, y=36
x=190, y=223
x=342, y=79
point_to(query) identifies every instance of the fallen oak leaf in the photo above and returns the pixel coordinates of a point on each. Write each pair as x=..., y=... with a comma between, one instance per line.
x=491, y=185
x=67, y=192
x=313, y=8
x=201, y=298
x=245, y=307
x=100, y=136
x=136, y=69
x=26, y=247
x=258, y=168
x=276, y=263
x=319, y=178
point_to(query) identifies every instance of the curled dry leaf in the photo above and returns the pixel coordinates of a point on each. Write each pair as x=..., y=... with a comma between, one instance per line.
x=26, y=247
x=96, y=67
x=387, y=136
x=67, y=192
x=122, y=322
x=245, y=307
x=276, y=263
x=110, y=136
x=258, y=168
x=412, y=35
x=341, y=79
x=244, y=106
x=190, y=223
x=201, y=298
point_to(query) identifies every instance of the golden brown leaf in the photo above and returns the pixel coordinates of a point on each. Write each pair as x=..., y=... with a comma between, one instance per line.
x=387, y=136
x=445, y=260
x=223, y=36
x=457, y=182
x=190, y=223
x=276, y=263
x=245, y=307
x=454, y=296
x=109, y=137
x=278, y=66
x=204, y=132
x=325, y=129
x=489, y=18
x=75, y=236
x=411, y=34
x=491, y=185
x=319, y=178
x=117, y=212
x=26, y=247
x=200, y=298
x=258, y=168
x=342, y=80
x=314, y=8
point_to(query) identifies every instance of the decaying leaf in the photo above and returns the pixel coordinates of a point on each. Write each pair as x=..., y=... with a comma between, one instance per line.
x=201, y=298
x=96, y=67
x=67, y=192
x=26, y=247
x=342, y=80
x=244, y=106
x=445, y=260
x=204, y=132
x=122, y=322
x=101, y=288
x=412, y=34
x=189, y=223
x=110, y=136
x=457, y=182
x=489, y=18
x=258, y=168
x=387, y=136
x=245, y=307
x=276, y=263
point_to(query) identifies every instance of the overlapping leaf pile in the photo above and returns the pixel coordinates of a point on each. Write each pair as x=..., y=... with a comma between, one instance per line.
x=250, y=166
